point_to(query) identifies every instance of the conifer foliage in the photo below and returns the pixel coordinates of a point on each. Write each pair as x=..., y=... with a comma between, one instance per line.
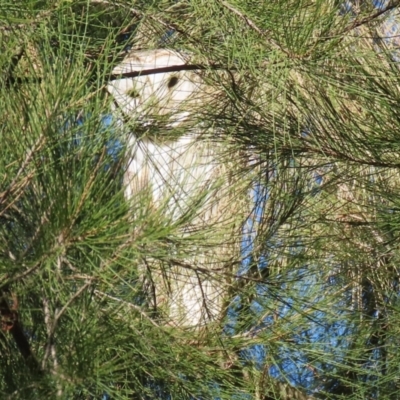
x=303, y=98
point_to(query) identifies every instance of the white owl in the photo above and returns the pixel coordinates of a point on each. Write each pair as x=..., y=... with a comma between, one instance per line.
x=177, y=171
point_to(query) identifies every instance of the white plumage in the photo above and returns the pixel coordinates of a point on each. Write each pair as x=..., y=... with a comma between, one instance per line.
x=176, y=171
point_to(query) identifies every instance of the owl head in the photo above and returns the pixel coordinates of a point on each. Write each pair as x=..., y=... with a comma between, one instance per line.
x=165, y=96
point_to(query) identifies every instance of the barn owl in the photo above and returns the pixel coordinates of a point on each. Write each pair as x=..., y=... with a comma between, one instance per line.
x=176, y=171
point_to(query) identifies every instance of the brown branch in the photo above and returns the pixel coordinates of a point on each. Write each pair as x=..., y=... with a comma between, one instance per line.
x=246, y=19
x=51, y=347
x=172, y=68
x=10, y=323
x=252, y=25
x=356, y=23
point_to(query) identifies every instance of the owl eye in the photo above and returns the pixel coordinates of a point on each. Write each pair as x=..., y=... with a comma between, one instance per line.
x=172, y=82
x=133, y=93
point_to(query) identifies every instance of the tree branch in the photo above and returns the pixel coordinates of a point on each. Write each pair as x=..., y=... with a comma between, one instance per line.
x=10, y=323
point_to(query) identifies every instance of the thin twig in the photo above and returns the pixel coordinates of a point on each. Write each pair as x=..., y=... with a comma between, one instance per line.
x=246, y=19
x=365, y=20
x=43, y=220
x=50, y=347
x=68, y=303
x=137, y=13
x=39, y=142
x=134, y=306
x=252, y=25
x=21, y=275
x=52, y=324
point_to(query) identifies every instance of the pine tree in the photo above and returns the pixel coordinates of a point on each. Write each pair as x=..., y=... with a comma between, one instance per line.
x=307, y=99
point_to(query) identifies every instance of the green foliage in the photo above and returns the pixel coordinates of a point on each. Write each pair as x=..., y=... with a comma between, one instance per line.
x=307, y=98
